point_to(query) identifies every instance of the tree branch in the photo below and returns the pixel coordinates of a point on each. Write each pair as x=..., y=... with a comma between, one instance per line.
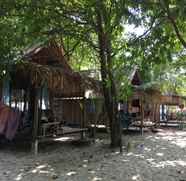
x=70, y=52
x=139, y=37
x=81, y=36
x=173, y=22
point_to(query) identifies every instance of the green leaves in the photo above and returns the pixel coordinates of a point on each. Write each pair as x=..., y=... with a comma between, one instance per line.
x=156, y=50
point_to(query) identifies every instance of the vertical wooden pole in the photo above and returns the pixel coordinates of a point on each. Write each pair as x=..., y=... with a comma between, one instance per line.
x=84, y=112
x=158, y=113
x=35, y=123
x=1, y=90
x=40, y=98
x=155, y=113
x=95, y=113
x=163, y=112
x=40, y=105
x=142, y=116
x=83, y=119
x=10, y=94
x=24, y=101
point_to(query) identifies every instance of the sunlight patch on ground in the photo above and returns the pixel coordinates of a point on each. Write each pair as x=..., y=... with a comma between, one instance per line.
x=159, y=154
x=115, y=153
x=91, y=172
x=19, y=177
x=63, y=139
x=177, y=138
x=136, y=177
x=125, y=160
x=153, y=137
x=44, y=169
x=71, y=173
x=151, y=160
x=96, y=179
x=85, y=165
x=167, y=163
x=181, y=143
x=44, y=172
x=147, y=149
x=38, y=168
x=135, y=155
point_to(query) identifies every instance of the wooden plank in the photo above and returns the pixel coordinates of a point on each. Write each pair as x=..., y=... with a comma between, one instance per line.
x=66, y=131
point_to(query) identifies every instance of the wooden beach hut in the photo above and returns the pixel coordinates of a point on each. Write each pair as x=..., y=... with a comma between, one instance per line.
x=143, y=105
x=171, y=101
x=44, y=79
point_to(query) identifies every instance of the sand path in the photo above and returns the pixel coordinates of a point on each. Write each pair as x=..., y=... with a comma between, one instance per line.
x=156, y=157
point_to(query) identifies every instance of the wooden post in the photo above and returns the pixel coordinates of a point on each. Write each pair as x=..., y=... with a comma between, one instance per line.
x=83, y=118
x=96, y=113
x=10, y=94
x=84, y=111
x=142, y=116
x=1, y=89
x=35, y=123
x=158, y=113
x=163, y=112
x=25, y=101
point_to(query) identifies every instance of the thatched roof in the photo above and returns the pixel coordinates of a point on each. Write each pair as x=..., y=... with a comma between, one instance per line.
x=134, y=77
x=46, y=65
x=50, y=53
x=27, y=74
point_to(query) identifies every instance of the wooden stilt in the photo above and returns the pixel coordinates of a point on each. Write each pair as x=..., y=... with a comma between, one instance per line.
x=163, y=112
x=83, y=118
x=1, y=90
x=35, y=123
x=10, y=95
x=142, y=117
x=24, y=101
x=35, y=147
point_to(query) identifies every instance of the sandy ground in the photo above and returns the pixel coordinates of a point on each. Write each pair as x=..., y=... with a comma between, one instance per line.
x=156, y=157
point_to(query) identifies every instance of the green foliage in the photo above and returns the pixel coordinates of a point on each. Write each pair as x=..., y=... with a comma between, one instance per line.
x=158, y=52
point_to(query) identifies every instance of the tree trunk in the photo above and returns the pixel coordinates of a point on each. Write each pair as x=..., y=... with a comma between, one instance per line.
x=109, y=89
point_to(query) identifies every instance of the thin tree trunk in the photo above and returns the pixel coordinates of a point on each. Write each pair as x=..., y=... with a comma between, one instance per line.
x=107, y=77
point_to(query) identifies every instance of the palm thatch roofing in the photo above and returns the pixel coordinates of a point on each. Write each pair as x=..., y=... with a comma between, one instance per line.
x=28, y=74
x=134, y=77
x=46, y=65
x=138, y=84
x=151, y=91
